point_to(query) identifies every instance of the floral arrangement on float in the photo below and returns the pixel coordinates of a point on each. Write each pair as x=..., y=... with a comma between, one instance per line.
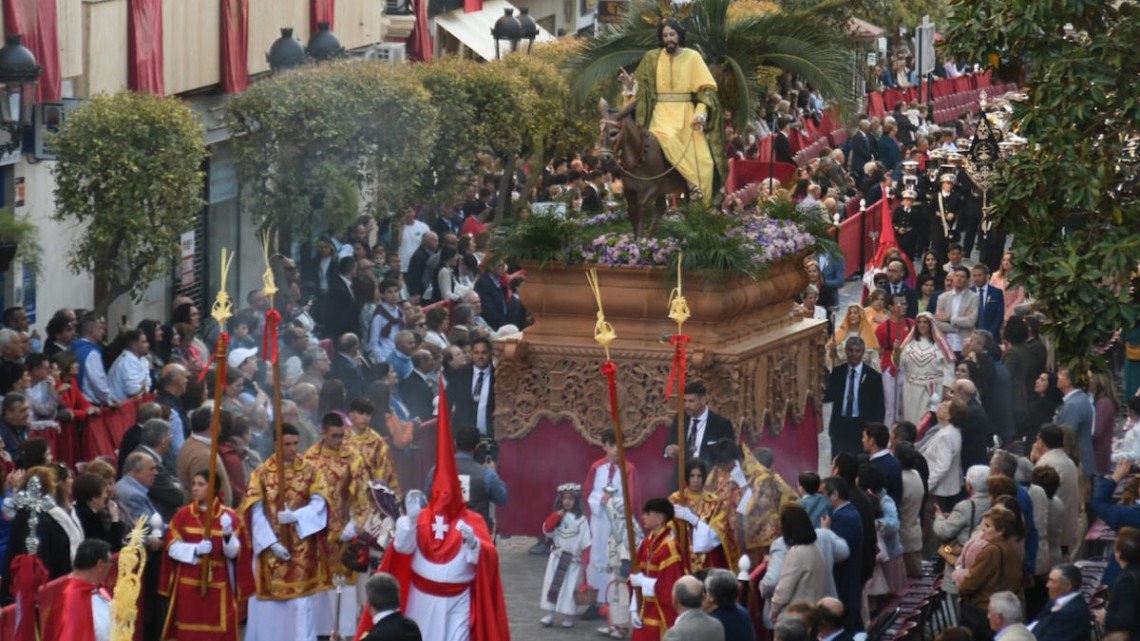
x=742, y=240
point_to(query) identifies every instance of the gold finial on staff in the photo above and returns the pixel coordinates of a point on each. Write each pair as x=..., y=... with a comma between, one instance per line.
x=678, y=306
x=268, y=285
x=223, y=307
x=603, y=331
x=124, y=605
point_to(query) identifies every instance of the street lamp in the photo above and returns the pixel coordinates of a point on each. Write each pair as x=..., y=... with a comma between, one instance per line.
x=286, y=52
x=324, y=44
x=529, y=28
x=507, y=27
x=19, y=74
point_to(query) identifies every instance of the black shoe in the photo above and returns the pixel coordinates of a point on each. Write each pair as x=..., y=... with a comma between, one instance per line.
x=592, y=614
x=539, y=549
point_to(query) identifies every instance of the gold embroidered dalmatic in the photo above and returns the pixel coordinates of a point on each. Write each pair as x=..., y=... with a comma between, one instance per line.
x=762, y=514
x=711, y=509
x=373, y=450
x=347, y=481
x=306, y=572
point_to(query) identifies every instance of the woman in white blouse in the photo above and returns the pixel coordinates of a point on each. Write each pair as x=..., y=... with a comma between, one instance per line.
x=942, y=448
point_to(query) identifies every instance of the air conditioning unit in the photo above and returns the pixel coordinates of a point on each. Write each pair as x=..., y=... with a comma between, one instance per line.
x=389, y=52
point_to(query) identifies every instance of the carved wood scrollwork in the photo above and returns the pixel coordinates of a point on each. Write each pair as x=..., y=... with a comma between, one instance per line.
x=756, y=391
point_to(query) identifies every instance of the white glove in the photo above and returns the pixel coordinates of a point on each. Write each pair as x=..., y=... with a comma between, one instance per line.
x=285, y=517
x=634, y=620
x=349, y=531
x=227, y=524
x=413, y=503
x=280, y=552
x=467, y=532
x=646, y=584
x=231, y=547
x=204, y=548
x=737, y=476
x=685, y=514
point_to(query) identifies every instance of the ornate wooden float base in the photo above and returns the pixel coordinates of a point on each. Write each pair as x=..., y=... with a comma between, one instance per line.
x=762, y=365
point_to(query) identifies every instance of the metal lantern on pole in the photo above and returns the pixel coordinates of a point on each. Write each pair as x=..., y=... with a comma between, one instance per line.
x=529, y=27
x=508, y=28
x=324, y=45
x=286, y=52
x=19, y=74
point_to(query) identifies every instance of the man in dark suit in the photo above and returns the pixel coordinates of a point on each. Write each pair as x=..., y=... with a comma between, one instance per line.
x=337, y=316
x=724, y=590
x=133, y=436
x=781, y=144
x=592, y=202
x=471, y=390
x=347, y=366
x=388, y=624
x=896, y=286
x=450, y=220
x=848, y=524
x=860, y=150
x=703, y=427
x=876, y=442
x=991, y=302
x=492, y=295
x=165, y=492
x=831, y=620
x=856, y=394
x=1066, y=616
x=417, y=264
x=977, y=434
x=418, y=389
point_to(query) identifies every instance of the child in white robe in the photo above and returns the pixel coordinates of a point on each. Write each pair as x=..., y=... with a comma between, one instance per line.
x=569, y=534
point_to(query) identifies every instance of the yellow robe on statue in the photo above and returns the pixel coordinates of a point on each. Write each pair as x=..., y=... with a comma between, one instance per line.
x=347, y=481
x=307, y=571
x=373, y=450
x=678, y=77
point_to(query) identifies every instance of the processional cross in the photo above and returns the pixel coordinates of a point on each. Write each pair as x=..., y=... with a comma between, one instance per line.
x=33, y=499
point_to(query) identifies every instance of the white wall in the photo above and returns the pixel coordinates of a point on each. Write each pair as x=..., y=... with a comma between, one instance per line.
x=57, y=286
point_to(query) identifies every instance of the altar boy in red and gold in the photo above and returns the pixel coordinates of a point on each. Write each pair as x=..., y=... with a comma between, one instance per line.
x=223, y=561
x=287, y=544
x=661, y=565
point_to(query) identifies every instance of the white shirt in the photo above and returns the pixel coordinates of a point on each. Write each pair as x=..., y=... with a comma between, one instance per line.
x=484, y=396
x=410, y=238
x=702, y=423
x=380, y=615
x=955, y=304
x=851, y=387
x=129, y=376
x=101, y=616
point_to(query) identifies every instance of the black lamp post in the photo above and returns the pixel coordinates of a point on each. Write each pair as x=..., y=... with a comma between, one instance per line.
x=509, y=28
x=324, y=45
x=19, y=74
x=286, y=52
x=529, y=28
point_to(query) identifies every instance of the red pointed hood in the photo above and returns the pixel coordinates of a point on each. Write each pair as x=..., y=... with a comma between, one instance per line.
x=446, y=494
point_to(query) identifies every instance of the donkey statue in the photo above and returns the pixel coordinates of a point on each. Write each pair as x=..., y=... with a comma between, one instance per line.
x=647, y=177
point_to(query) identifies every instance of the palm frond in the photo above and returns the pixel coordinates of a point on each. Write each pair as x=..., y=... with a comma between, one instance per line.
x=604, y=68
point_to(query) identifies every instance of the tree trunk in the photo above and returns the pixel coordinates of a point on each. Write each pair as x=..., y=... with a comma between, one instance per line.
x=503, y=211
x=115, y=290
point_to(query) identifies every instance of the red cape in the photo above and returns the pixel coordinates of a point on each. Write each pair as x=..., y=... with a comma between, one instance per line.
x=488, y=608
x=65, y=610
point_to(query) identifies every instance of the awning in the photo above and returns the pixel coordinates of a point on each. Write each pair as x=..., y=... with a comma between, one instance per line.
x=863, y=30
x=474, y=29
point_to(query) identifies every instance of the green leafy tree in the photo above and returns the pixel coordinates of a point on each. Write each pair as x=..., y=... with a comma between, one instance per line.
x=1070, y=198
x=130, y=171
x=487, y=112
x=308, y=143
x=741, y=50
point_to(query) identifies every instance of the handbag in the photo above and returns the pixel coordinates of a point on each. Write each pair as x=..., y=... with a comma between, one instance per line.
x=949, y=552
